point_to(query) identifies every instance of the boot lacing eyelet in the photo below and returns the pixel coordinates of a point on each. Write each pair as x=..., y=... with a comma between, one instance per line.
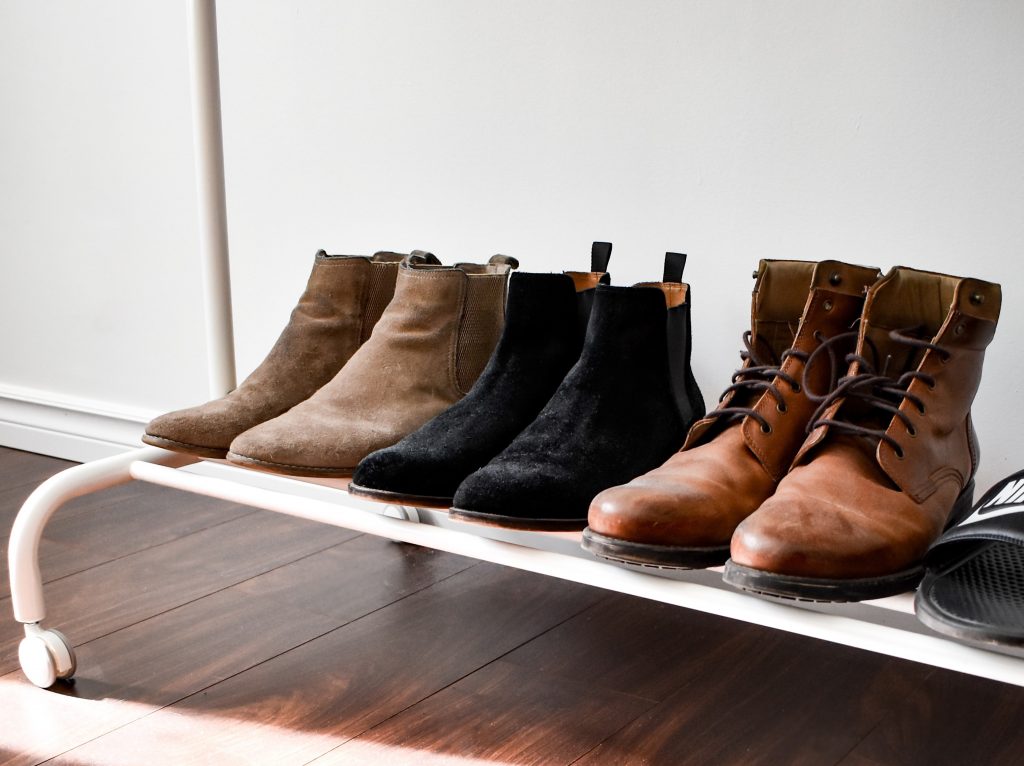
x=766, y=428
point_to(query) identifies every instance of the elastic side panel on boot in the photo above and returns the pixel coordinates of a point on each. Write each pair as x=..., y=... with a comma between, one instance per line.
x=586, y=283
x=688, y=397
x=482, y=320
x=379, y=292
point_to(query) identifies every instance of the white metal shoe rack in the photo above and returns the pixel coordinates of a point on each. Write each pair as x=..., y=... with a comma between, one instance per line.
x=886, y=626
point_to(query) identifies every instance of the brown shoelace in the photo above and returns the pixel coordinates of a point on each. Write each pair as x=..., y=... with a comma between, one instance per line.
x=759, y=377
x=874, y=389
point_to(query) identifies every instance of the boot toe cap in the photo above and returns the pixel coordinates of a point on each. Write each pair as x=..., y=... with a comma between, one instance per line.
x=762, y=543
x=202, y=427
x=658, y=513
x=814, y=541
x=517, y=492
x=394, y=469
x=289, y=443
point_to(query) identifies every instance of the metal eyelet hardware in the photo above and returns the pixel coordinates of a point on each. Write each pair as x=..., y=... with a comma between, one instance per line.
x=911, y=432
x=781, y=407
x=835, y=278
x=959, y=329
x=766, y=428
x=797, y=388
x=977, y=299
x=828, y=305
x=899, y=454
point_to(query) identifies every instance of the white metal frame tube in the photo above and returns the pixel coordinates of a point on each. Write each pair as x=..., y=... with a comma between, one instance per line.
x=23, y=548
x=213, y=227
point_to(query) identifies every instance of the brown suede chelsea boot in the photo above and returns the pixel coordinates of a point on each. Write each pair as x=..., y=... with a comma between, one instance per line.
x=428, y=349
x=890, y=458
x=683, y=513
x=344, y=298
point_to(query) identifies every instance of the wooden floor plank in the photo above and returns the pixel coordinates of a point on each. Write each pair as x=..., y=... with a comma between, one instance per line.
x=307, y=701
x=502, y=713
x=770, y=698
x=948, y=718
x=128, y=674
x=20, y=473
x=129, y=589
x=106, y=525
x=650, y=654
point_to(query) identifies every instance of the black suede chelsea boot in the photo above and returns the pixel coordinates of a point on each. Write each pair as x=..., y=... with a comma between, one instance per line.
x=623, y=409
x=545, y=323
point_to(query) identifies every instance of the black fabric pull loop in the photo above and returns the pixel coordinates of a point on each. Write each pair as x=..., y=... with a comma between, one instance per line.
x=674, y=265
x=600, y=254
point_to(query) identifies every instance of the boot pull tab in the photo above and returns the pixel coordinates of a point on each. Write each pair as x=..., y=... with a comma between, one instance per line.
x=422, y=256
x=674, y=265
x=600, y=254
x=503, y=260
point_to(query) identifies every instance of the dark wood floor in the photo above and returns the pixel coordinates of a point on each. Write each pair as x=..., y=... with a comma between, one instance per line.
x=211, y=633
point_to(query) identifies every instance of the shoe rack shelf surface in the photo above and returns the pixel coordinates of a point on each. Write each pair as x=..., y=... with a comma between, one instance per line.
x=886, y=626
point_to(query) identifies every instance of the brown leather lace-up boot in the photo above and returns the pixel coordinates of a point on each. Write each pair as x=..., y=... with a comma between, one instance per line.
x=891, y=455
x=682, y=514
x=427, y=350
x=344, y=298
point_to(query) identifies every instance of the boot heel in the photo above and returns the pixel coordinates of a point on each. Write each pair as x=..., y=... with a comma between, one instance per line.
x=963, y=506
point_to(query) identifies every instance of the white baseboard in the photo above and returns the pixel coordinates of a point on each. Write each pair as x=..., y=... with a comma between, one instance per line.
x=70, y=428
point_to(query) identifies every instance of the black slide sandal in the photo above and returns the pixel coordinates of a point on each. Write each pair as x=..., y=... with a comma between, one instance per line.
x=973, y=589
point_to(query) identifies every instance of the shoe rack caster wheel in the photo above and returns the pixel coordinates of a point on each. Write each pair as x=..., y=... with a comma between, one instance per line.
x=46, y=656
x=403, y=512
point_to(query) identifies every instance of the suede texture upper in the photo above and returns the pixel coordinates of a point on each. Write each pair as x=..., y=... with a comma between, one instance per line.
x=326, y=327
x=613, y=417
x=541, y=341
x=404, y=375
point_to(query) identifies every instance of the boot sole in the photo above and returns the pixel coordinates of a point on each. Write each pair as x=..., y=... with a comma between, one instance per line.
x=655, y=556
x=515, y=522
x=399, y=498
x=289, y=470
x=800, y=588
x=818, y=589
x=197, y=450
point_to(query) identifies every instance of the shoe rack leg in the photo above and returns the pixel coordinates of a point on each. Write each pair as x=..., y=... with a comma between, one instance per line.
x=46, y=655
x=204, y=68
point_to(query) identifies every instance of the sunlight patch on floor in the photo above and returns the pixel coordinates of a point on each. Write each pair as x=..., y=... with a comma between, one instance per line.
x=42, y=724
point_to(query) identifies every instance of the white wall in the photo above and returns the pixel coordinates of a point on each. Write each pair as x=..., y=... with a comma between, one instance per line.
x=877, y=132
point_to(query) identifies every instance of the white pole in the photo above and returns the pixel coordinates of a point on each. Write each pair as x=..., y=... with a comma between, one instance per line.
x=213, y=227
